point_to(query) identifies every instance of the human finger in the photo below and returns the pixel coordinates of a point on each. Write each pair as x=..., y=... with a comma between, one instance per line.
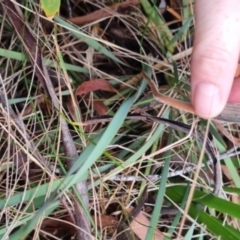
x=215, y=54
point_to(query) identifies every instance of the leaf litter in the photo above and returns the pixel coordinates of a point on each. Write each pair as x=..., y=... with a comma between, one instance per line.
x=115, y=42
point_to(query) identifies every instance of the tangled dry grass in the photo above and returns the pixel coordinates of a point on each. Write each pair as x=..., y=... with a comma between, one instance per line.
x=61, y=179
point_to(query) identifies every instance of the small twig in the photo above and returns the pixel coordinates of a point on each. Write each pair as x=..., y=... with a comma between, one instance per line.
x=21, y=129
x=230, y=113
x=31, y=46
x=154, y=178
x=69, y=8
x=193, y=186
x=179, y=127
x=27, y=38
x=81, y=218
x=228, y=135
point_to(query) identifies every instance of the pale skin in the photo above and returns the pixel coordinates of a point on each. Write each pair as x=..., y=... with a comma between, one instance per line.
x=215, y=56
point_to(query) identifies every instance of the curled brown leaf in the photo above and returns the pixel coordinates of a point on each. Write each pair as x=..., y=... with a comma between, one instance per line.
x=103, y=12
x=94, y=85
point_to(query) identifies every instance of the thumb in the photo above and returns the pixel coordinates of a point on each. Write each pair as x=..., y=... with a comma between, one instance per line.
x=215, y=54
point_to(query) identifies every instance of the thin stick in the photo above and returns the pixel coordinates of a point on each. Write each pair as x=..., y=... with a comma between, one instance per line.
x=230, y=113
x=190, y=196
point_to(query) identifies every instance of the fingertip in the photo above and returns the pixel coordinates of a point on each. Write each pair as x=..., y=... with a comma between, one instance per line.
x=207, y=100
x=215, y=56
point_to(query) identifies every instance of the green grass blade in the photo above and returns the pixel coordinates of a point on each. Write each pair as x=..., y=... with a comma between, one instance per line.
x=190, y=232
x=103, y=142
x=161, y=191
x=180, y=32
x=207, y=199
x=23, y=57
x=87, y=39
x=178, y=215
x=38, y=191
x=215, y=226
x=153, y=14
x=45, y=210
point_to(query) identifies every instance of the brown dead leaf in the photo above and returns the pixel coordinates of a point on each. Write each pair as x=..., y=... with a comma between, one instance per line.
x=99, y=107
x=94, y=85
x=29, y=109
x=139, y=226
x=70, y=107
x=228, y=135
x=29, y=41
x=106, y=221
x=103, y=12
x=131, y=82
x=174, y=13
x=59, y=227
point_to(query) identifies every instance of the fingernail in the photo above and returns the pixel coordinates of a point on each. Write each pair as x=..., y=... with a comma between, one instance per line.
x=207, y=100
